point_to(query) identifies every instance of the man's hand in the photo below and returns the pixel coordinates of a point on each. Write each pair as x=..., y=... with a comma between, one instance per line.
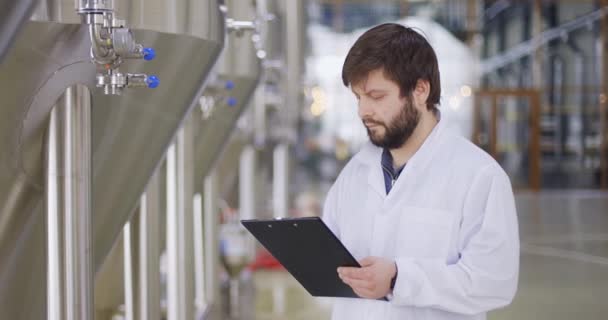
x=372, y=280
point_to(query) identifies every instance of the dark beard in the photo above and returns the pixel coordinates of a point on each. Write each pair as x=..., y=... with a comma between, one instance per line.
x=398, y=131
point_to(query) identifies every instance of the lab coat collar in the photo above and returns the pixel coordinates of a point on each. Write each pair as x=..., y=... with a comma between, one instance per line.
x=372, y=155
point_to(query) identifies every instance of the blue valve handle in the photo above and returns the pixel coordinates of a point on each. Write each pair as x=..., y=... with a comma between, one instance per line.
x=149, y=54
x=229, y=85
x=231, y=101
x=152, y=82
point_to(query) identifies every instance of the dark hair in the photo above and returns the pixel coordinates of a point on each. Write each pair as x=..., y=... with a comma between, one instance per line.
x=402, y=53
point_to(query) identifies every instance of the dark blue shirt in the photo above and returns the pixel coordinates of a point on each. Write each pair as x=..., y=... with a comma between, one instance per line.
x=390, y=174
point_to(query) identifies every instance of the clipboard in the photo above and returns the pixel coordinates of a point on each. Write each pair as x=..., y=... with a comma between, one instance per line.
x=308, y=249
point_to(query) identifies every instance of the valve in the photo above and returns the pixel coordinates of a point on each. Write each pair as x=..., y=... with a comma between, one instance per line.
x=111, y=44
x=231, y=101
x=149, y=54
x=115, y=82
x=152, y=81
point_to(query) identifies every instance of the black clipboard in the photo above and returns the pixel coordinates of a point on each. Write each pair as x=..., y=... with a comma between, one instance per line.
x=308, y=249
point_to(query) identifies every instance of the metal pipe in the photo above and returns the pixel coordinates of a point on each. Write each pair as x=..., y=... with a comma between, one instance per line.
x=180, y=286
x=259, y=113
x=247, y=183
x=68, y=208
x=259, y=98
x=247, y=194
x=603, y=112
x=172, y=234
x=579, y=79
x=280, y=183
x=100, y=53
x=294, y=16
x=111, y=42
x=142, y=257
x=200, y=299
x=93, y=6
x=528, y=47
x=211, y=241
x=130, y=265
x=558, y=108
x=496, y=8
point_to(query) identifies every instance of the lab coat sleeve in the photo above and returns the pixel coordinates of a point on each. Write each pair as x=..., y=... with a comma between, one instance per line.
x=486, y=273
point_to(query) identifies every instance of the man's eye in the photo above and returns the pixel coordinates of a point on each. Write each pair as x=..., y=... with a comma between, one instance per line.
x=378, y=97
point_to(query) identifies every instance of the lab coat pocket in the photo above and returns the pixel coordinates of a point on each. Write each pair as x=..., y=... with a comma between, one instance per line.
x=424, y=233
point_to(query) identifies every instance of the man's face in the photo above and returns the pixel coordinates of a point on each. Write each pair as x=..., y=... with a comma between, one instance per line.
x=389, y=118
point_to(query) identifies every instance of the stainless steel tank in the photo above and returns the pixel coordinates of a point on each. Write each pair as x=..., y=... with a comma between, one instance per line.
x=130, y=133
x=240, y=65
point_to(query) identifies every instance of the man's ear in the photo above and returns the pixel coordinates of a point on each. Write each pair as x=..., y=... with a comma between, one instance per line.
x=421, y=92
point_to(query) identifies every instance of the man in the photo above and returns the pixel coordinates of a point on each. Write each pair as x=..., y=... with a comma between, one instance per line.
x=430, y=216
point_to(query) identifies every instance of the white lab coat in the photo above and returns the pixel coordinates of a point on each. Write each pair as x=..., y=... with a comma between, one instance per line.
x=449, y=222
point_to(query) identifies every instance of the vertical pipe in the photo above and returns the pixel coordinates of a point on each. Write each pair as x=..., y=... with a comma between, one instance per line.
x=142, y=257
x=180, y=287
x=537, y=24
x=579, y=83
x=128, y=262
x=294, y=19
x=247, y=191
x=259, y=97
x=247, y=183
x=280, y=185
x=259, y=111
x=294, y=14
x=200, y=299
x=604, y=144
x=603, y=112
x=68, y=204
x=149, y=244
x=172, y=259
x=211, y=241
x=535, y=156
x=558, y=109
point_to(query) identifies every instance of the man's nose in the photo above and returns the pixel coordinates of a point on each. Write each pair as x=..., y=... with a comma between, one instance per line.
x=365, y=109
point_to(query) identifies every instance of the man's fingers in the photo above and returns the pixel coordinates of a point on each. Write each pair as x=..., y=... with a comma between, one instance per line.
x=359, y=284
x=356, y=273
x=363, y=289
